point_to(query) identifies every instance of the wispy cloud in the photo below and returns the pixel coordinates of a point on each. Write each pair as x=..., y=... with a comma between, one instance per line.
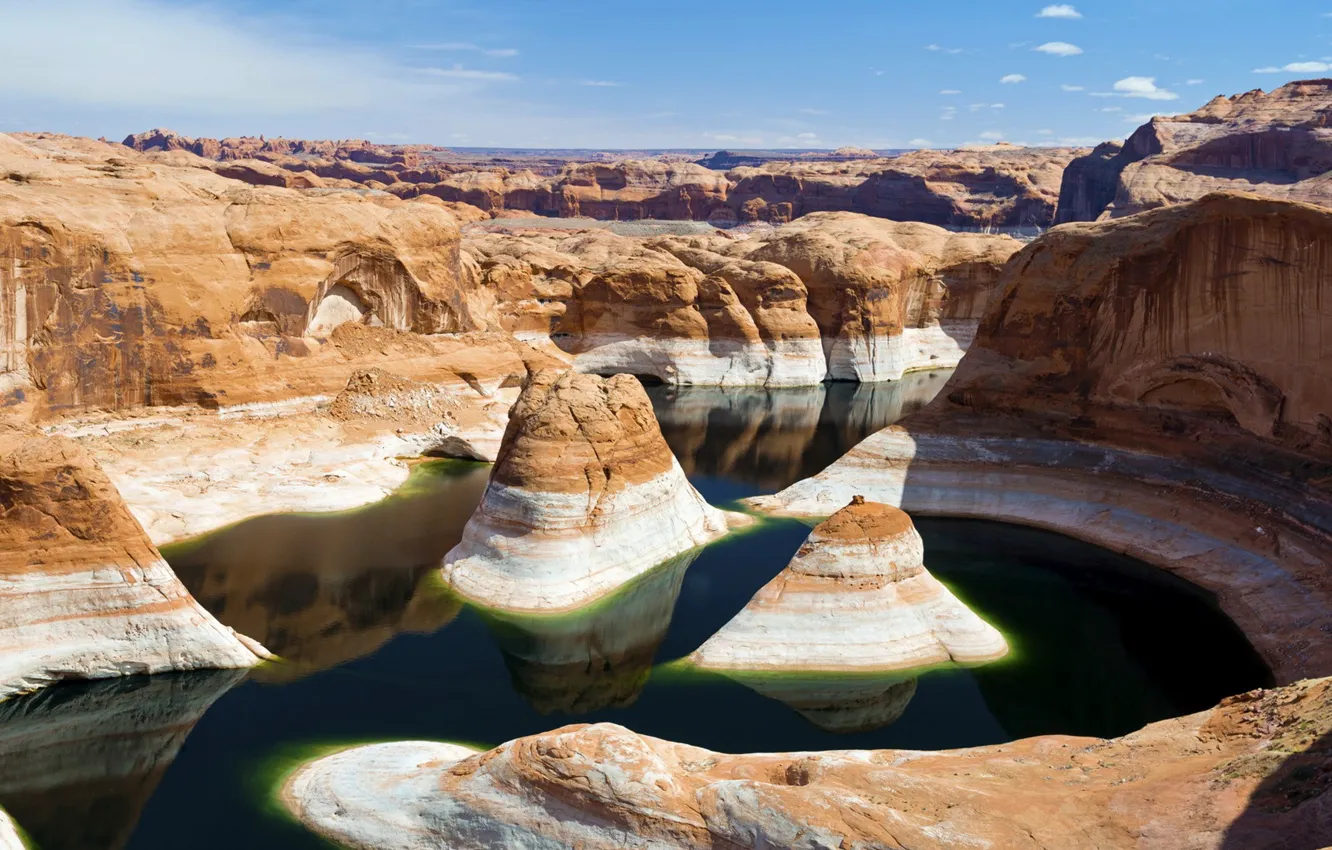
x=950, y=91
x=1144, y=87
x=992, y=135
x=1059, y=48
x=1059, y=10
x=1067, y=87
x=458, y=72
x=920, y=143
x=467, y=46
x=937, y=49
x=602, y=84
x=1296, y=68
x=808, y=111
x=1194, y=82
x=1142, y=117
x=1009, y=79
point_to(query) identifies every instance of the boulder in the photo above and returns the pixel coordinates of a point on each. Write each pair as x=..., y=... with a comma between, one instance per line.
x=856, y=598
x=585, y=496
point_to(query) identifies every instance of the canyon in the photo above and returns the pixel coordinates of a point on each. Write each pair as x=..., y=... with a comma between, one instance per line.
x=441, y=400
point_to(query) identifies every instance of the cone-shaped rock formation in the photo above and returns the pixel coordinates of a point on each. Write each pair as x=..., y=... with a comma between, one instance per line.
x=856, y=597
x=585, y=496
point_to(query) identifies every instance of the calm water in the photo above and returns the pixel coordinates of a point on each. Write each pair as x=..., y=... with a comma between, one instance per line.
x=377, y=651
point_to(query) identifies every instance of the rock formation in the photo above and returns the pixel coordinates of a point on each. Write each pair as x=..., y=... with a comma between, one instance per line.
x=83, y=593
x=856, y=598
x=834, y=295
x=584, y=497
x=1250, y=773
x=1157, y=385
x=1273, y=144
x=597, y=659
x=10, y=839
x=78, y=765
x=138, y=282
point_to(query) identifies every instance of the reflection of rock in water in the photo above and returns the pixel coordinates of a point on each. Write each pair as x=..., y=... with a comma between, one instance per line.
x=842, y=705
x=776, y=437
x=320, y=590
x=600, y=658
x=78, y=762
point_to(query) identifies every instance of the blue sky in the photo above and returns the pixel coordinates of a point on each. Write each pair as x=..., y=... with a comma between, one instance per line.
x=679, y=74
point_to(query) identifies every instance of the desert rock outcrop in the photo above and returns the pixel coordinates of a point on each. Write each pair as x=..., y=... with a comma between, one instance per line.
x=1158, y=385
x=1274, y=144
x=856, y=598
x=584, y=497
x=83, y=593
x=1250, y=773
x=9, y=835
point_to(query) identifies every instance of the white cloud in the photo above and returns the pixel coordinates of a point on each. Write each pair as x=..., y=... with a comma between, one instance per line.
x=1060, y=10
x=1141, y=118
x=732, y=138
x=1268, y=69
x=1143, y=87
x=812, y=111
x=602, y=84
x=1012, y=78
x=152, y=55
x=996, y=106
x=951, y=91
x=1296, y=68
x=1080, y=141
x=1194, y=82
x=1067, y=87
x=920, y=143
x=992, y=136
x=937, y=49
x=1111, y=109
x=1045, y=132
x=498, y=53
x=1058, y=48
x=458, y=72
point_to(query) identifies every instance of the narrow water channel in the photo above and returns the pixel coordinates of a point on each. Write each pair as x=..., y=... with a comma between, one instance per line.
x=376, y=650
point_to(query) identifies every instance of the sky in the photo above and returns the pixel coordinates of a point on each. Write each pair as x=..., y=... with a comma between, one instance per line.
x=695, y=74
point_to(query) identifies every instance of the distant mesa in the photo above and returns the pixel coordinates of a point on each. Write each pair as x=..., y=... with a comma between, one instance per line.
x=584, y=497
x=856, y=598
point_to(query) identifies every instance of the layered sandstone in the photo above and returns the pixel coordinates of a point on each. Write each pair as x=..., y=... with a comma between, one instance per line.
x=78, y=765
x=1157, y=385
x=833, y=295
x=10, y=839
x=1250, y=773
x=856, y=598
x=83, y=593
x=584, y=497
x=138, y=282
x=1276, y=144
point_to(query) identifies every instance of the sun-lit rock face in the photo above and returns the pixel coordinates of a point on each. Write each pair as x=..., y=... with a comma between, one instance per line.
x=9, y=837
x=83, y=593
x=833, y=295
x=129, y=279
x=1159, y=385
x=856, y=598
x=1274, y=144
x=1250, y=773
x=585, y=496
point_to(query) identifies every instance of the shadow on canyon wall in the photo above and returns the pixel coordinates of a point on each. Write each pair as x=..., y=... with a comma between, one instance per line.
x=1292, y=808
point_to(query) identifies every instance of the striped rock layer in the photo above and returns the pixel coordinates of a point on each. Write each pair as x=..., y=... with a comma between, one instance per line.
x=855, y=598
x=83, y=593
x=585, y=496
x=9, y=836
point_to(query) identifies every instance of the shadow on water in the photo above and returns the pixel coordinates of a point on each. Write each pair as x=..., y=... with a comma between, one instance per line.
x=321, y=589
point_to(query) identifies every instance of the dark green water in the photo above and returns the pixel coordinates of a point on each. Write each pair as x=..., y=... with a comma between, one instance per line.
x=377, y=651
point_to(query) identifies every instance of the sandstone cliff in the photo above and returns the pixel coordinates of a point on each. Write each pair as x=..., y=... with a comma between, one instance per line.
x=1250, y=773
x=856, y=598
x=83, y=593
x=129, y=281
x=1275, y=144
x=1159, y=385
x=584, y=497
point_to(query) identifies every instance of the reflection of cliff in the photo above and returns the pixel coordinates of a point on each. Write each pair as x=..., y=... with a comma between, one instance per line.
x=595, y=659
x=78, y=762
x=840, y=704
x=775, y=437
x=320, y=590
